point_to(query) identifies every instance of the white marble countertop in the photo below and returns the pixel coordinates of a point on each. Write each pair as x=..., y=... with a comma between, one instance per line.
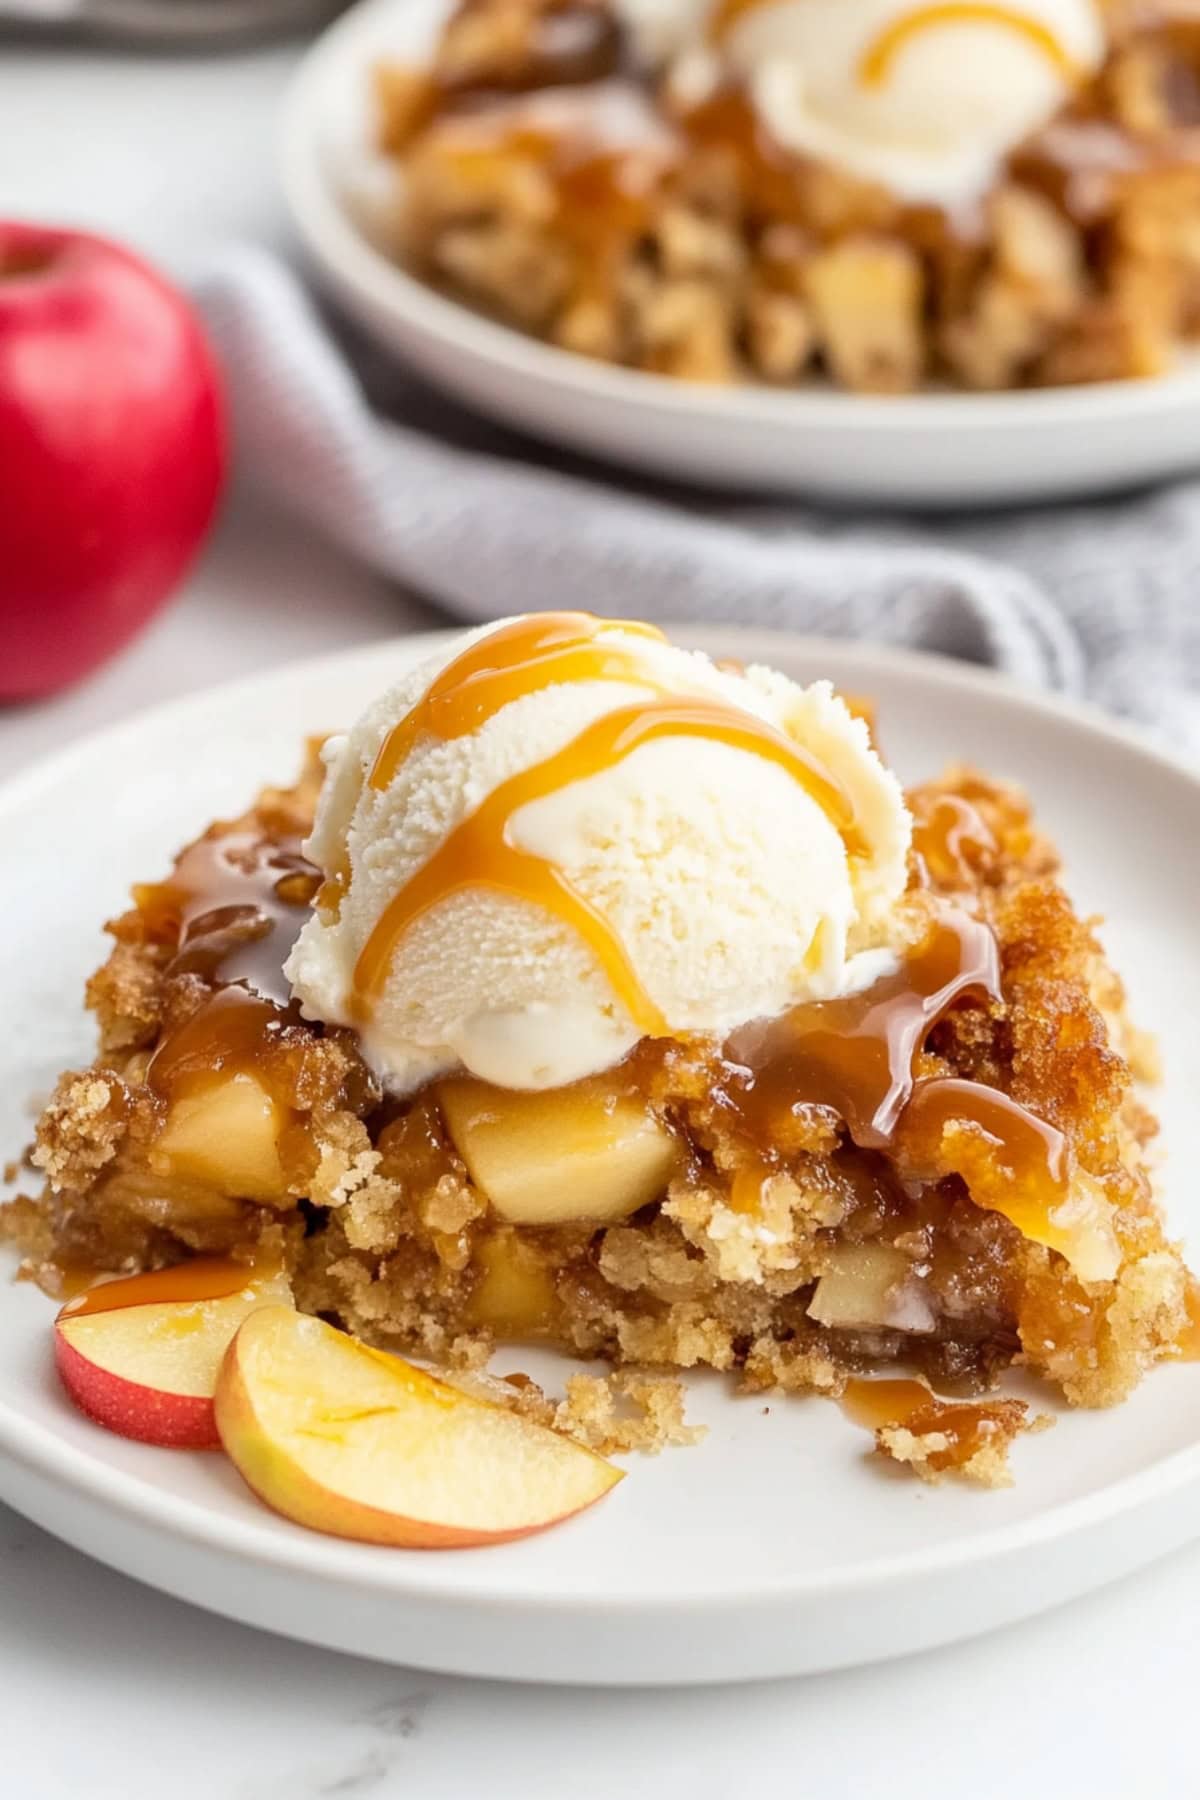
x=112, y=1692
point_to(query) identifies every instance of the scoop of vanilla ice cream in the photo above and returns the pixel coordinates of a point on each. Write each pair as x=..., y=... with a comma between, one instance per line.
x=958, y=88
x=729, y=888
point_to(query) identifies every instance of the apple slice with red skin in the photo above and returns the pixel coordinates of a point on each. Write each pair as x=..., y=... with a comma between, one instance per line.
x=359, y=1444
x=140, y=1356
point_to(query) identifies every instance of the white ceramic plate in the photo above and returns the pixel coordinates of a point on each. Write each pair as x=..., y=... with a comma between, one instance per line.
x=777, y=1545
x=931, y=450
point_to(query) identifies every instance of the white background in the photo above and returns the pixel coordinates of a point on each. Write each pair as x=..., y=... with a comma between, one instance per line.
x=107, y=1689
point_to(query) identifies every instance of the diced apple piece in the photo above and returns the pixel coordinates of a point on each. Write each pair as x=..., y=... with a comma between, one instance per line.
x=227, y=1135
x=871, y=1286
x=579, y=1154
x=350, y=1441
x=138, y=1190
x=141, y=1356
x=515, y=1296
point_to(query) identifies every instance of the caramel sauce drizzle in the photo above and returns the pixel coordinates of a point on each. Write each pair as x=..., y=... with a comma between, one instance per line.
x=879, y=57
x=233, y=1030
x=478, y=852
x=523, y=657
x=203, y=1278
x=966, y=1426
x=520, y=658
x=859, y=1056
x=884, y=1402
x=233, y=907
x=1032, y=1152
x=950, y=841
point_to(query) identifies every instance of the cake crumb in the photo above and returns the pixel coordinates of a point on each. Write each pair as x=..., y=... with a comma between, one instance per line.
x=624, y=1411
x=970, y=1441
x=612, y=1414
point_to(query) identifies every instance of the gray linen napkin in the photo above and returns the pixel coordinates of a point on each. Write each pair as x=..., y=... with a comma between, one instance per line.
x=1093, y=600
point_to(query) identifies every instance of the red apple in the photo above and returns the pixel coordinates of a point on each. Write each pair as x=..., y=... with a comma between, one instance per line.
x=111, y=451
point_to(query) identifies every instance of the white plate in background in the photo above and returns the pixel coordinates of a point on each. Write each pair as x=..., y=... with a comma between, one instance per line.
x=778, y=1545
x=929, y=450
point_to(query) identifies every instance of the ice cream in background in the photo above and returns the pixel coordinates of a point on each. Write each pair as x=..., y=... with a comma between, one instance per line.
x=923, y=99
x=561, y=835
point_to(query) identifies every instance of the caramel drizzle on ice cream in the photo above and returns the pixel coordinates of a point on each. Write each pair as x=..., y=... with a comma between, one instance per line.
x=879, y=57
x=521, y=658
x=478, y=853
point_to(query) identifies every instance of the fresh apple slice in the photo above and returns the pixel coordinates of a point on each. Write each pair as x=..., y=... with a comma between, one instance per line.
x=140, y=1356
x=350, y=1441
x=572, y=1154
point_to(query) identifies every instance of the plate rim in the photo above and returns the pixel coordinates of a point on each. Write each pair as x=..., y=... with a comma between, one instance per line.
x=36, y=1446
x=331, y=236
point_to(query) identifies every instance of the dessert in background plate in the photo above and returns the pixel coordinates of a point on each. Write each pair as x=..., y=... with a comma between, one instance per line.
x=889, y=195
x=590, y=994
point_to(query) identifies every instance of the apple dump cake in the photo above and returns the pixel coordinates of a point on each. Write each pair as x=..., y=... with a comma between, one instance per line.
x=885, y=193
x=590, y=993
